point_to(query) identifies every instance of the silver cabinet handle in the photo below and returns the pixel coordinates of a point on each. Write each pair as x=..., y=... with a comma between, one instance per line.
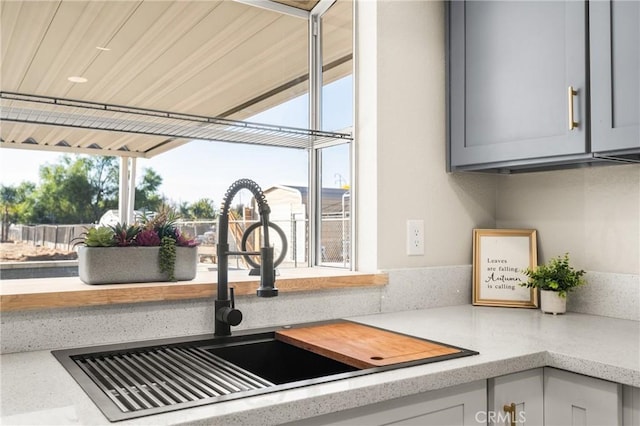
x=571, y=93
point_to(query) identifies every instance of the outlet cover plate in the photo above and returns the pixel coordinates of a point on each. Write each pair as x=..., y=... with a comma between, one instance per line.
x=415, y=237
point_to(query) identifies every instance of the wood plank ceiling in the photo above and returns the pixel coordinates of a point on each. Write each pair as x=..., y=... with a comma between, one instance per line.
x=208, y=58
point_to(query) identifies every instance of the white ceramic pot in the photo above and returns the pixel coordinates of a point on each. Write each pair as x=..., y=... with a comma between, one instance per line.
x=552, y=303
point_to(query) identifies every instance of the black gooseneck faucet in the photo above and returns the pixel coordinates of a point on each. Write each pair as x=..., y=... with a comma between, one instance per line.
x=225, y=311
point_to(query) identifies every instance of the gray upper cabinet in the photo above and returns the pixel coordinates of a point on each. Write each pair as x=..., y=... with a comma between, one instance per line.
x=614, y=35
x=542, y=84
x=511, y=64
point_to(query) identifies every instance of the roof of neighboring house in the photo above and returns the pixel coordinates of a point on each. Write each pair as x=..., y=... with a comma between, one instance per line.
x=332, y=193
x=331, y=197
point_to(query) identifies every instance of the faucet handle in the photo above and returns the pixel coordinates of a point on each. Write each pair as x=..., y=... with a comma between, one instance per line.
x=232, y=316
x=229, y=314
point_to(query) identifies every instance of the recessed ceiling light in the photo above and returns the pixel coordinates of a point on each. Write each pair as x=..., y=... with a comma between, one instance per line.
x=77, y=79
x=106, y=49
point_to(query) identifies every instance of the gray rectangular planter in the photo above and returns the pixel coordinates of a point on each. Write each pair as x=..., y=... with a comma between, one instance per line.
x=112, y=265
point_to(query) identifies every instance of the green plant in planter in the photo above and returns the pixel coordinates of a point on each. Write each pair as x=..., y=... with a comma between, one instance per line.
x=125, y=235
x=168, y=257
x=159, y=231
x=98, y=237
x=556, y=275
x=164, y=223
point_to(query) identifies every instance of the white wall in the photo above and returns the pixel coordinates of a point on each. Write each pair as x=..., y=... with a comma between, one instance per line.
x=592, y=213
x=401, y=138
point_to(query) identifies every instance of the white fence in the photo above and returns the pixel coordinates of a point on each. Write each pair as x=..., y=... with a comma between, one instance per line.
x=334, y=239
x=53, y=236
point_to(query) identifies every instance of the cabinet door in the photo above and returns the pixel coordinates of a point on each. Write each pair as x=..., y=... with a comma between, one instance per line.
x=630, y=406
x=525, y=390
x=615, y=74
x=510, y=67
x=458, y=405
x=573, y=399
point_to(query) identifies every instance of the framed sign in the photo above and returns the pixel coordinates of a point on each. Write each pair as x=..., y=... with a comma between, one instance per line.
x=499, y=257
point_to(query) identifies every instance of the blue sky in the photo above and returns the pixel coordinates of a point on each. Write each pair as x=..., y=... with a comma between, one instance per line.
x=202, y=169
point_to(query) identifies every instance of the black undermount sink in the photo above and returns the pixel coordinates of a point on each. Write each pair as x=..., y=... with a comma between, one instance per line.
x=144, y=378
x=279, y=362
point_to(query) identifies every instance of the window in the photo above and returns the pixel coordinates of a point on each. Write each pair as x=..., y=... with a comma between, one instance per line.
x=335, y=207
x=334, y=162
x=201, y=171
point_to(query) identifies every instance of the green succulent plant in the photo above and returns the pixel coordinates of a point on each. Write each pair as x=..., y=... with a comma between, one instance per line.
x=99, y=237
x=167, y=258
x=556, y=275
x=125, y=235
x=163, y=223
x=152, y=231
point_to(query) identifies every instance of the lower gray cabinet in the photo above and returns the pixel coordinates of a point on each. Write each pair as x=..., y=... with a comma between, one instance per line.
x=456, y=406
x=516, y=397
x=550, y=397
x=630, y=406
x=541, y=396
x=574, y=399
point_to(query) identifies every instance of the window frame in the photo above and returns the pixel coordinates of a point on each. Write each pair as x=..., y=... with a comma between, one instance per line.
x=314, y=201
x=128, y=164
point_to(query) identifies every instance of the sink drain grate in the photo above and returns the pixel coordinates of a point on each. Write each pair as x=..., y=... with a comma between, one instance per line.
x=165, y=377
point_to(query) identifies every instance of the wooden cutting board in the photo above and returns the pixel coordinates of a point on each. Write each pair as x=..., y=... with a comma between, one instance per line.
x=362, y=346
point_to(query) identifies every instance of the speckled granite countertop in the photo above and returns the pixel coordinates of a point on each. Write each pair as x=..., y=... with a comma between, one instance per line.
x=35, y=389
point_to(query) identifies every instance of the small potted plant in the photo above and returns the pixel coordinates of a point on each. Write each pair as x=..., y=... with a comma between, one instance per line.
x=554, y=279
x=151, y=250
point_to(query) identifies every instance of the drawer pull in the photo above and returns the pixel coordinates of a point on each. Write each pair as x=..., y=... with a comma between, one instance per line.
x=571, y=93
x=511, y=410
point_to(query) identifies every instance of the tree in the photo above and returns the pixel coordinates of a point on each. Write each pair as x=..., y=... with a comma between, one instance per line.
x=147, y=196
x=8, y=196
x=202, y=209
x=80, y=189
x=76, y=190
x=24, y=202
x=183, y=209
x=14, y=202
x=103, y=176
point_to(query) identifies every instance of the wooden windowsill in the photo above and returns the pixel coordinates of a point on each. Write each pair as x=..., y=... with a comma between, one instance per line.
x=69, y=292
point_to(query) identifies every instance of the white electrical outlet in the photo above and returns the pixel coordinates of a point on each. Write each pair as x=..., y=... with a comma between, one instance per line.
x=415, y=237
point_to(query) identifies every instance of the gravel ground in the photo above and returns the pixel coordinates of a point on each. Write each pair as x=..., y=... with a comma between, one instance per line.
x=23, y=252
